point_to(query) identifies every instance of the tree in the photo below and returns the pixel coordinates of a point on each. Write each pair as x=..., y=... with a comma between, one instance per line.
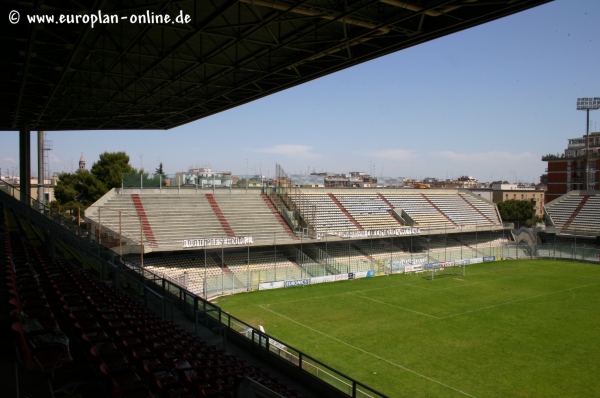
x=80, y=189
x=83, y=188
x=160, y=170
x=519, y=211
x=110, y=168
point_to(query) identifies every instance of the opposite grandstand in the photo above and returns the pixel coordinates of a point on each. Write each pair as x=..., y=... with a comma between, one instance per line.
x=164, y=220
x=576, y=211
x=226, y=241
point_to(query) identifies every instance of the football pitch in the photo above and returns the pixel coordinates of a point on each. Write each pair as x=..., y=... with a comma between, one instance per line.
x=526, y=328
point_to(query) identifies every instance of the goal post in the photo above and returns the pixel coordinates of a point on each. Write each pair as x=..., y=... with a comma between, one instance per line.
x=447, y=269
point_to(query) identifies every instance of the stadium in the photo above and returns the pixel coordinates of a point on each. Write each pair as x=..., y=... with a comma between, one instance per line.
x=264, y=238
x=167, y=287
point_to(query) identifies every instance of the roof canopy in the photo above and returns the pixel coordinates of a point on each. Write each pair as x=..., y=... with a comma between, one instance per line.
x=122, y=73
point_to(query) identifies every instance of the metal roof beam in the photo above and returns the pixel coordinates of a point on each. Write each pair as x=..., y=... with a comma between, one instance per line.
x=215, y=14
x=221, y=49
x=80, y=39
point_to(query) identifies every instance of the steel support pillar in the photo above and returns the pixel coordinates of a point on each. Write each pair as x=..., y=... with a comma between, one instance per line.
x=40, y=153
x=25, y=163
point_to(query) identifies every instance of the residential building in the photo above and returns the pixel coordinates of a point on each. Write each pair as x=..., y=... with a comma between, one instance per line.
x=504, y=192
x=485, y=193
x=567, y=172
x=49, y=185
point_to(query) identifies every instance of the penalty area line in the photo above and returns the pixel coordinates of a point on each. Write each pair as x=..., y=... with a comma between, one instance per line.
x=395, y=306
x=519, y=300
x=368, y=353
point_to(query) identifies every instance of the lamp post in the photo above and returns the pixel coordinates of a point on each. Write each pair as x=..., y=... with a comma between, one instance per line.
x=587, y=104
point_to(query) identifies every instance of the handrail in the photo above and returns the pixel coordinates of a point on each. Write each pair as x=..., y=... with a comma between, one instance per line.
x=114, y=228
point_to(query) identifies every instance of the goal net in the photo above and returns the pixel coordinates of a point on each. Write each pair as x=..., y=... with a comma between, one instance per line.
x=446, y=270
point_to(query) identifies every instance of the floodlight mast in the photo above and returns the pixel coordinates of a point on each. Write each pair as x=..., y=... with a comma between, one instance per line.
x=587, y=104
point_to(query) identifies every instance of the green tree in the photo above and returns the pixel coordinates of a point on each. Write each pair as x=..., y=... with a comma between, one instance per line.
x=80, y=189
x=160, y=170
x=110, y=168
x=65, y=191
x=83, y=188
x=519, y=211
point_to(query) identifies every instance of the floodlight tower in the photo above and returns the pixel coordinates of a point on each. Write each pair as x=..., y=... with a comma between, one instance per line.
x=587, y=104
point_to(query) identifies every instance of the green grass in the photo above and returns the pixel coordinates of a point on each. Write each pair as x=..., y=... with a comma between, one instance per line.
x=527, y=328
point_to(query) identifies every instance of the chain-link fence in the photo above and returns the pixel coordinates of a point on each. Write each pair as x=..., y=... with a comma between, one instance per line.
x=198, y=180
x=213, y=272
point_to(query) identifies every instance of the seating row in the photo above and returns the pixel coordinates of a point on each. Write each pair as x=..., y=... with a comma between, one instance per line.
x=575, y=211
x=368, y=210
x=322, y=213
x=172, y=218
x=189, y=270
x=43, y=344
x=137, y=353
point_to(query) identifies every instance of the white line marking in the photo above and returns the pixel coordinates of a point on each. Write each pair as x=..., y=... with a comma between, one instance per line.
x=396, y=306
x=369, y=353
x=414, y=284
x=472, y=283
x=516, y=301
x=341, y=294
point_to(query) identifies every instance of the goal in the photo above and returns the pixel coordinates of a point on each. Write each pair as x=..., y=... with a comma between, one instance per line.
x=445, y=270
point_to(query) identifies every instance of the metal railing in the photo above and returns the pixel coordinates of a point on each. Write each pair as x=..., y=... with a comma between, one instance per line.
x=193, y=180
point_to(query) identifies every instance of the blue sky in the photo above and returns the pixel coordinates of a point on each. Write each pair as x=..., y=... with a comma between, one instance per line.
x=486, y=102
